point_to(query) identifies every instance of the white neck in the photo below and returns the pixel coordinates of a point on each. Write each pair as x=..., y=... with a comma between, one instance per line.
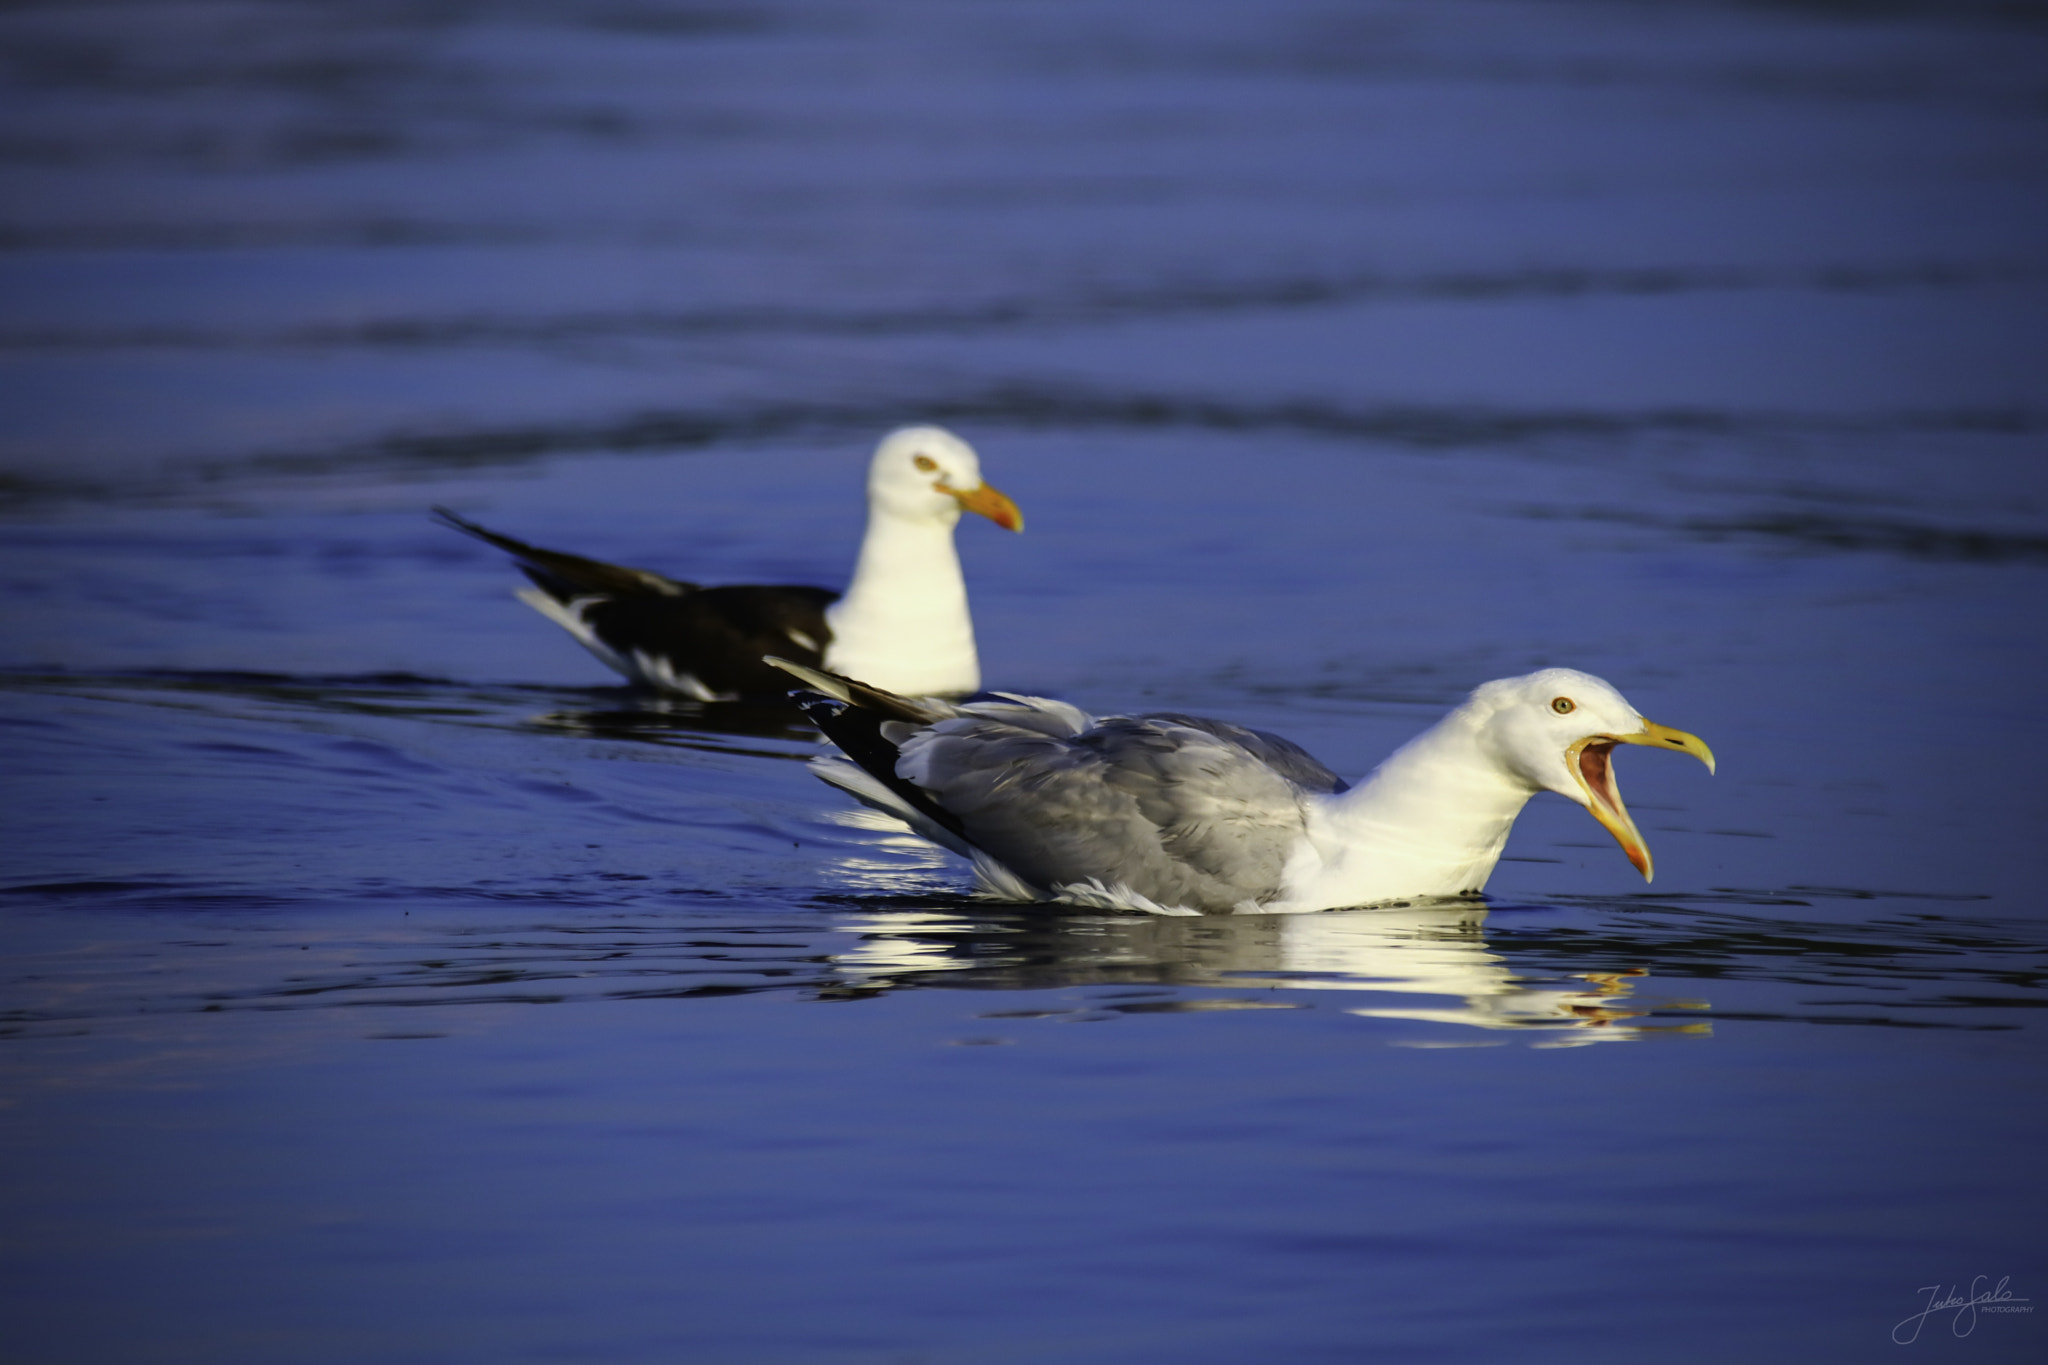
x=1430, y=821
x=903, y=624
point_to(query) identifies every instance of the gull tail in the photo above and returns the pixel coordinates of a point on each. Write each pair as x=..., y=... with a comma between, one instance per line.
x=872, y=791
x=565, y=576
x=864, y=697
x=870, y=727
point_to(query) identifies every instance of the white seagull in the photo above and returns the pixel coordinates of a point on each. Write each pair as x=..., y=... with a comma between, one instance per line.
x=902, y=621
x=1176, y=815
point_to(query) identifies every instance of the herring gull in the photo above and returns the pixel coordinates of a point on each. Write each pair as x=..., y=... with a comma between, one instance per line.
x=1174, y=814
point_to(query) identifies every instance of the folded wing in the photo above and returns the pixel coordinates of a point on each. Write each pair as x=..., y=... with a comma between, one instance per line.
x=702, y=642
x=1184, y=811
x=1186, y=815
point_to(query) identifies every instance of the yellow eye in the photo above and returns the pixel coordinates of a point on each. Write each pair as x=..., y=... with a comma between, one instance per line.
x=927, y=463
x=1564, y=706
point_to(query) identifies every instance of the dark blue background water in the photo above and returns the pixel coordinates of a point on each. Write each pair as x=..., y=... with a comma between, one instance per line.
x=1341, y=355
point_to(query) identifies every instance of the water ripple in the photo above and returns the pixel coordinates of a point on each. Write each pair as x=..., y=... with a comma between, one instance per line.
x=1514, y=967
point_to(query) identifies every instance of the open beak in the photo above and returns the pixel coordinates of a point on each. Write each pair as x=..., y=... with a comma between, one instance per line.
x=989, y=503
x=1591, y=762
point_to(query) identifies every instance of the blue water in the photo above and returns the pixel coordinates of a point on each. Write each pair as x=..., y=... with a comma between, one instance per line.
x=1340, y=356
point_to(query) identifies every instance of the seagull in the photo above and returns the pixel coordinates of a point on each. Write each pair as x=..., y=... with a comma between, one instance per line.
x=903, y=619
x=1177, y=815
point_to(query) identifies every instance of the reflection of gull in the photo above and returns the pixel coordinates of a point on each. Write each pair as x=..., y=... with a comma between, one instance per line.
x=900, y=943
x=1421, y=951
x=892, y=860
x=1173, y=814
x=903, y=620
x=668, y=719
x=1428, y=963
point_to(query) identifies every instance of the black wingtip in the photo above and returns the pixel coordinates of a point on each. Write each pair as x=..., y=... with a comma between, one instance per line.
x=818, y=710
x=447, y=517
x=856, y=728
x=860, y=695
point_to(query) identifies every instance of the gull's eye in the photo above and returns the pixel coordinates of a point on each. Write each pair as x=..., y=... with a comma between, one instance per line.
x=1564, y=706
x=926, y=463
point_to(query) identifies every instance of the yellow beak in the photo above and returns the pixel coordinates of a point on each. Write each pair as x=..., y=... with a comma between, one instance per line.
x=1589, y=761
x=1664, y=737
x=990, y=503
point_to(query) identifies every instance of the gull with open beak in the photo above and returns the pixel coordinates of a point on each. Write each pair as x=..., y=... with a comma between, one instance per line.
x=1174, y=814
x=903, y=619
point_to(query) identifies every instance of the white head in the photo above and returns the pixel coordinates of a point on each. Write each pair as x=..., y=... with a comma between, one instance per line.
x=1556, y=730
x=929, y=474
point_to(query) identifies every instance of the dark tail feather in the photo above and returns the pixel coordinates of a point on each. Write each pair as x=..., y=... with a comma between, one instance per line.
x=564, y=575
x=863, y=696
x=853, y=716
x=488, y=536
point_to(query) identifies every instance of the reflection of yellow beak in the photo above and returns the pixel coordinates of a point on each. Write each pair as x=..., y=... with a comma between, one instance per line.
x=1589, y=762
x=989, y=503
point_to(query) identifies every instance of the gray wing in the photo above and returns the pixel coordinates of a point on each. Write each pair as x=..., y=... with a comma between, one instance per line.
x=1283, y=756
x=1185, y=812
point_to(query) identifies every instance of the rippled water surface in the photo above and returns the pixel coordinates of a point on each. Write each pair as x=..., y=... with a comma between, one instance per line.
x=1341, y=356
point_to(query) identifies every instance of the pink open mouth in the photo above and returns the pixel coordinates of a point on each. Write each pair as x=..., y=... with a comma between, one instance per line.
x=1597, y=769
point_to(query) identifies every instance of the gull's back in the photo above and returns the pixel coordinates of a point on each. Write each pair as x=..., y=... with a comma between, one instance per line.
x=1181, y=810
